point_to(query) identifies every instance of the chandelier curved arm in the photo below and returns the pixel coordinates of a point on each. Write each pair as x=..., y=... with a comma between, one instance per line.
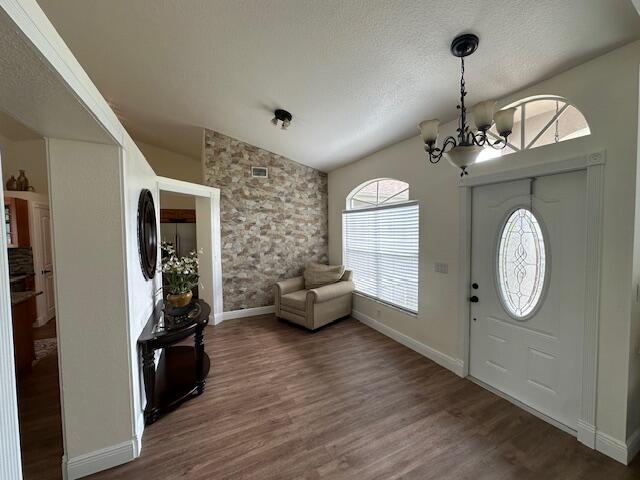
x=435, y=153
x=481, y=139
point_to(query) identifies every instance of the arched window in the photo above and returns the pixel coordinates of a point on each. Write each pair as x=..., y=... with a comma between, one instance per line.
x=538, y=121
x=380, y=242
x=383, y=191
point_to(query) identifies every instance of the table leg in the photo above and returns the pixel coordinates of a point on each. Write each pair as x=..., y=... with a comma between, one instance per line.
x=149, y=374
x=199, y=350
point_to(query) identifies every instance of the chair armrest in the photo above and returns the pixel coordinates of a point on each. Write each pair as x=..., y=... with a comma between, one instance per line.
x=290, y=285
x=329, y=292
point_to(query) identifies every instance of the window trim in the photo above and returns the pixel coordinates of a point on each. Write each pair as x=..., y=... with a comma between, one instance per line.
x=522, y=103
x=408, y=203
x=363, y=185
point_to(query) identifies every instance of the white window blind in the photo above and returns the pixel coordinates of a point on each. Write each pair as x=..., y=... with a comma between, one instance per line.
x=380, y=246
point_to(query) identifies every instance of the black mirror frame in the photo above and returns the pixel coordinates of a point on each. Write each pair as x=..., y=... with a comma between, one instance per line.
x=147, y=234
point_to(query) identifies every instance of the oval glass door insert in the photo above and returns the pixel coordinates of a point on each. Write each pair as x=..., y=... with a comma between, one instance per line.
x=521, y=264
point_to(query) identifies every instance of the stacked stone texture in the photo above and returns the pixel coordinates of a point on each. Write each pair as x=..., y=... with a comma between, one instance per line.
x=271, y=227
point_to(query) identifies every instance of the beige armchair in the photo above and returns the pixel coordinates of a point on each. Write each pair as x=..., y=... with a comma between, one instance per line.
x=315, y=307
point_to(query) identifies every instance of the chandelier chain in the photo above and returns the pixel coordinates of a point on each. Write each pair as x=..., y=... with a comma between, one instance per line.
x=461, y=107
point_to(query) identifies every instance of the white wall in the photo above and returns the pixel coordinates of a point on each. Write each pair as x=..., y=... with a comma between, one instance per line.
x=173, y=165
x=606, y=91
x=91, y=302
x=142, y=293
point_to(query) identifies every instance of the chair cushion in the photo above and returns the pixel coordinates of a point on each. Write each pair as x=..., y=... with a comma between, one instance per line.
x=317, y=275
x=295, y=300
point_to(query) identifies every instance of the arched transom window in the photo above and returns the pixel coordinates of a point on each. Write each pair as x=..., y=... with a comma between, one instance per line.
x=383, y=191
x=538, y=121
x=380, y=242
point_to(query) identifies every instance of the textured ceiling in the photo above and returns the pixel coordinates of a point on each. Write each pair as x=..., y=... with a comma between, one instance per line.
x=34, y=100
x=357, y=75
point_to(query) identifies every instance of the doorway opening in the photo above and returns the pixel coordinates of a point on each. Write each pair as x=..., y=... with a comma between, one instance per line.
x=190, y=220
x=178, y=227
x=27, y=223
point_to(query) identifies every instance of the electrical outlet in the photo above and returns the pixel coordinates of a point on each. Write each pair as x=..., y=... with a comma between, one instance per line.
x=441, y=267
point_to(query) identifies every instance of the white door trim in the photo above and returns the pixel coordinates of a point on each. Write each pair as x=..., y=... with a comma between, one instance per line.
x=207, y=203
x=594, y=165
x=10, y=458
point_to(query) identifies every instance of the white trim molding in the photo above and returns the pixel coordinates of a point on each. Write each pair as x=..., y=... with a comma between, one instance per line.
x=207, y=235
x=594, y=165
x=442, y=359
x=633, y=445
x=611, y=447
x=623, y=452
x=10, y=464
x=246, y=312
x=99, y=460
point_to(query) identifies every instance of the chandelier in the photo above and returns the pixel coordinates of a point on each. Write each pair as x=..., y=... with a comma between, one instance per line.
x=463, y=151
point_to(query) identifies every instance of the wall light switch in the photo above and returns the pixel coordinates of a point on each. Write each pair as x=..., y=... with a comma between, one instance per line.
x=441, y=267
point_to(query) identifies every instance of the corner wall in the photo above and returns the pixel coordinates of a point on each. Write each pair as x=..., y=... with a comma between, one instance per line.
x=89, y=268
x=271, y=227
x=606, y=91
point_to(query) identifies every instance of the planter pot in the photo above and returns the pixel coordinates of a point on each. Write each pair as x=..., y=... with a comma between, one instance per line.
x=180, y=300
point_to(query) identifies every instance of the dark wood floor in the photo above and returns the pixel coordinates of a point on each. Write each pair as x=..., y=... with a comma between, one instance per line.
x=348, y=403
x=39, y=415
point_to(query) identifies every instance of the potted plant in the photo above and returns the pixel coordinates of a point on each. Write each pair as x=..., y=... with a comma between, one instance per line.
x=180, y=275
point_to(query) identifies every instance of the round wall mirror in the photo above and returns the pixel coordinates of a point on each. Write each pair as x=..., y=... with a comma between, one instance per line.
x=147, y=234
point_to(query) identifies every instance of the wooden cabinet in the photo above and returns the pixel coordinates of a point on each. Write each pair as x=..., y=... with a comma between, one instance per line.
x=16, y=219
x=23, y=315
x=177, y=215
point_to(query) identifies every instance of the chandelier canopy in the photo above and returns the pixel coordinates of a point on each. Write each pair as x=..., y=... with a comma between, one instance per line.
x=464, y=150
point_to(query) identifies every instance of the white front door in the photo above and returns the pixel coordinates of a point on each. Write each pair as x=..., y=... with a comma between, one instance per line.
x=528, y=286
x=43, y=263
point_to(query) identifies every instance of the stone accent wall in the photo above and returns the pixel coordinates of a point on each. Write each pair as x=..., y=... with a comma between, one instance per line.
x=271, y=227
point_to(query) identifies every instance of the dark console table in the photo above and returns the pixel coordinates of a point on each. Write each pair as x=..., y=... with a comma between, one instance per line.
x=183, y=369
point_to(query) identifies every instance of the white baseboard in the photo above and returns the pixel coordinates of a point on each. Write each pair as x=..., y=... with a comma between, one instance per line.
x=247, y=312
x=586, y=433
x=611, y=447
x=99, y=460
x=139, y=432
x=633, y=445
x=448, y=362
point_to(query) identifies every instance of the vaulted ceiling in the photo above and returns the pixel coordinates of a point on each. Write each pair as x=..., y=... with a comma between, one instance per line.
x=357, y=75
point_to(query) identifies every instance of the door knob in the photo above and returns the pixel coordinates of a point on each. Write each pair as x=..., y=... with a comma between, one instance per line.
x=474, y=299
x=44, y=272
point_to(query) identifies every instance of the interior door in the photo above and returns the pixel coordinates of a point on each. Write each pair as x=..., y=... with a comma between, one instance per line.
x=44, y=263
x=527, y=273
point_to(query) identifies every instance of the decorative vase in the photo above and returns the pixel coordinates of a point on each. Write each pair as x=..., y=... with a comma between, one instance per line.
x=22, y=182
x=179, y=300
x=12, y=183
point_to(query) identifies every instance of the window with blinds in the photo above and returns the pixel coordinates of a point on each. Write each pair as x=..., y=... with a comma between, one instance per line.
x=380, y=246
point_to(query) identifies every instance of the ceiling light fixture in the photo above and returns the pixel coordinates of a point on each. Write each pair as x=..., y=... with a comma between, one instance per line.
x=282, y=116
x=464, y=150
